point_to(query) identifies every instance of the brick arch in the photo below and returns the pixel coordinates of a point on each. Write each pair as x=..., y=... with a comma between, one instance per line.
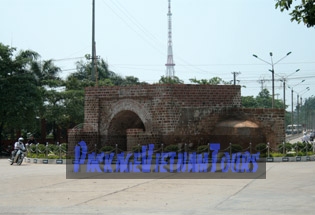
x=133, y=106
x=240, y=130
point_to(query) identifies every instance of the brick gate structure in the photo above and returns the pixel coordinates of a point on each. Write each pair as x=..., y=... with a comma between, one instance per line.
x=174, y=114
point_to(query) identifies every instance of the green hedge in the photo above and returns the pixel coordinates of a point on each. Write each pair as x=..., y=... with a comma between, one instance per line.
x=107, y=149
x=171, y=148
x=52, y=151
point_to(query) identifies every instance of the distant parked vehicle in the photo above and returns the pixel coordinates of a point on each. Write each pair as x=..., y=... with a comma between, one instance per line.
x=294, y=129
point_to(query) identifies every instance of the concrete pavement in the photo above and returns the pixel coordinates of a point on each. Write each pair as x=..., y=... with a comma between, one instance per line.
x=44, y=189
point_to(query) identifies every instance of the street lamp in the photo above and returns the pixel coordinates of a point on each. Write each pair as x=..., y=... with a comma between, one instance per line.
x=292, y=102
x=284, y=79
x=298, y=103
x=301, y=102
x=273, y=72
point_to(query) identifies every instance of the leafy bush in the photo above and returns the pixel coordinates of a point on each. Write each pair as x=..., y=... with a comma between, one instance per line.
x=107, y=149
x=203, y=148
x=41, y=148
x=53, y=149
x=287, y=146
x=236, y=148
x=51, y=156
x=31, y=155
x=264, y=155
x=261, y=147
x=171, y=148
x=39, y=151
x=290, y=155
x=136, y=148
x=40, y=156
x=32, y=148
x=306, y=147
x=298, y=146
x=64, y=147
x=276, y=154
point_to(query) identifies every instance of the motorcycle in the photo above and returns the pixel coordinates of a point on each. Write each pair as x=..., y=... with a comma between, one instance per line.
x=19, y=157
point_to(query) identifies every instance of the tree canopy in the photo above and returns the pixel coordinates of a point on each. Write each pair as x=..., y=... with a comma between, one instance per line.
x=262, y=100
x=170, y=80
x=304, y=11
x=212, y=81
x=20, y=96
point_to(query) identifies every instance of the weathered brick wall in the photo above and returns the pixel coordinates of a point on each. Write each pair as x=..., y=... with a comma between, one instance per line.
x=173, y=114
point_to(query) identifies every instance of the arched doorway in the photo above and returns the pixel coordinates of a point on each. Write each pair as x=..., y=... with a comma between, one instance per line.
x=240, y=132
x=122, y=124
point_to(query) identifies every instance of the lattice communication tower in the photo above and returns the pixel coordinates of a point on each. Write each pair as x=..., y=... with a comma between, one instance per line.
x=170, y=71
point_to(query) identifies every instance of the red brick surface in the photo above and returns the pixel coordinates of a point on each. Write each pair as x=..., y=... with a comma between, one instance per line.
x=173, y=114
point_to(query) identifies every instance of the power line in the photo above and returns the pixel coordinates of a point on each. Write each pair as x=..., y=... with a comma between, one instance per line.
x=134, y=30
x=65, y=59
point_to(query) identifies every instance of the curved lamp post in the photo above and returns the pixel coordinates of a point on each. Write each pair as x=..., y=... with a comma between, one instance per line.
x=273, y=72
x=292, y=102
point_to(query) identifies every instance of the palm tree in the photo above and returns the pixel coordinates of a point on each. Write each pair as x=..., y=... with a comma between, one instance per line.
x=46, y=73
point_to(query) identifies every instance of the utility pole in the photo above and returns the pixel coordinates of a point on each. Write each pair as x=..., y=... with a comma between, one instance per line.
x=284, y=79
x=261, y=81
x=93, y=41
x=234, y=76
x=94, y=73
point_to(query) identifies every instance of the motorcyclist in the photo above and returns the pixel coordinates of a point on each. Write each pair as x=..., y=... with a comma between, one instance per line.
x=18, y=145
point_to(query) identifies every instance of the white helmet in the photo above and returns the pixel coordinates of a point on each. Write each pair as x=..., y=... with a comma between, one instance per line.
x=21, y=139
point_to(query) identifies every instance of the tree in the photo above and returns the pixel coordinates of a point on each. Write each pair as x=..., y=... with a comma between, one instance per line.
x=46, y=73
x=170, y=80
x=212, y=81
x=20, y=96
x=249, y=102
x=303, y=12
x=84, y=70
x=262, y=100
x=54, y=110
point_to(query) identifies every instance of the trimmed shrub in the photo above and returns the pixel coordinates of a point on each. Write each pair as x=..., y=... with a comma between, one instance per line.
x=64, y=147
x=41, y=148
x=236, y=148
x=287, y=146
x=301, y=154
x=276, y=154
x=137, y=148
x=171, y=148
x=306, y=147
x=203, y=148
x=261, y=147
x=53, y=149
x=298, y=146
x=53, y=156
x=107, y=149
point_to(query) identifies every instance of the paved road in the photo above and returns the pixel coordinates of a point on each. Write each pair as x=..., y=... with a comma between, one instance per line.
x=294, y=139
x=44, y=189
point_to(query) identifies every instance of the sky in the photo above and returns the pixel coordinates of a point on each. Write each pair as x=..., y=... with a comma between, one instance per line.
x=210, y=39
